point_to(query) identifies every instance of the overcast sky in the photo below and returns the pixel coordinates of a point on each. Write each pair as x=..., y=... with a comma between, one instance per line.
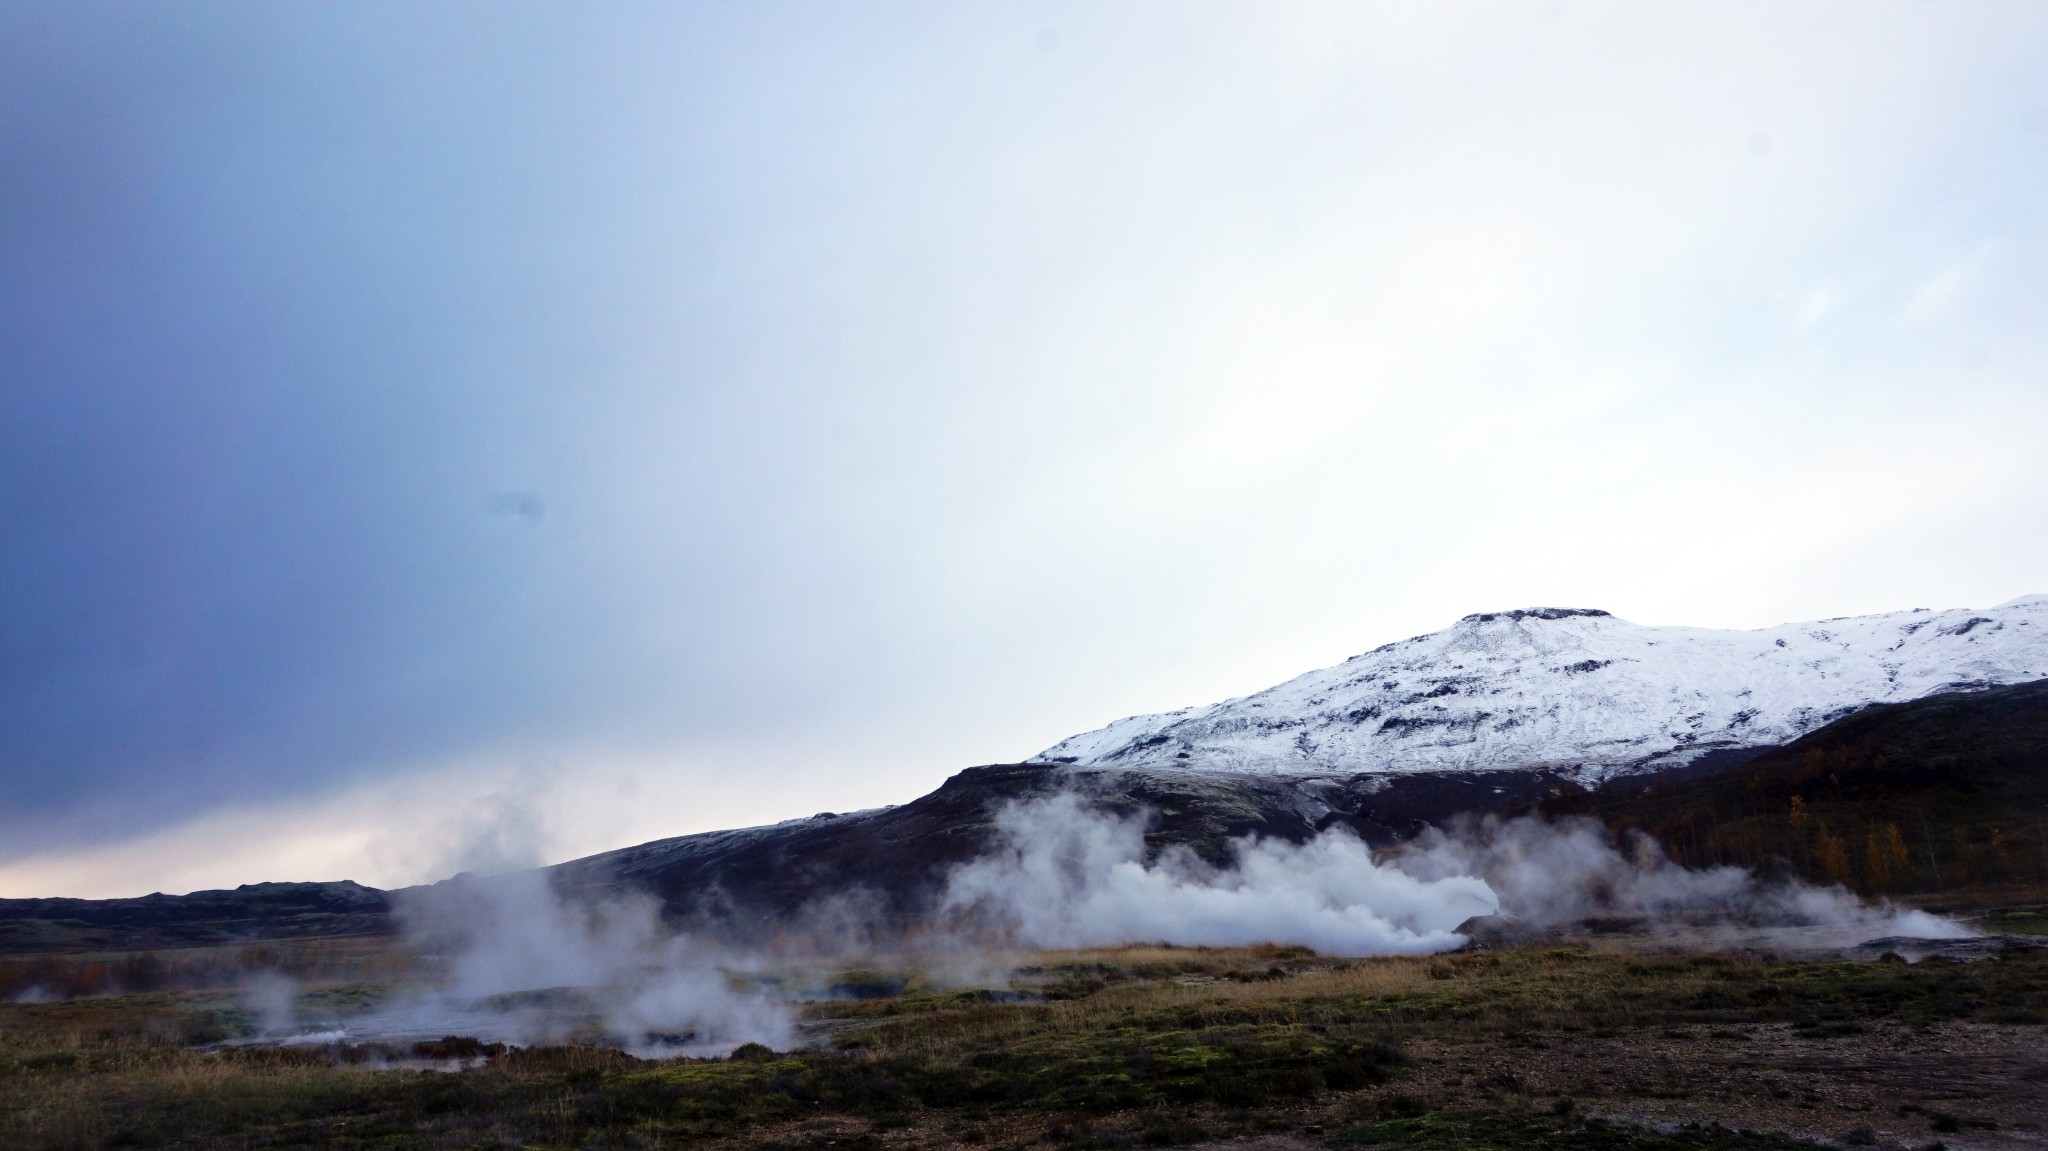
x=451, y=435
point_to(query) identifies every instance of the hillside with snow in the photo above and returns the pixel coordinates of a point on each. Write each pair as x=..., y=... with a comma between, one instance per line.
x=1580, y=690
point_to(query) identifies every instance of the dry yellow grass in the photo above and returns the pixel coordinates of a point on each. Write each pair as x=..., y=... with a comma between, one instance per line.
x=1195, y=987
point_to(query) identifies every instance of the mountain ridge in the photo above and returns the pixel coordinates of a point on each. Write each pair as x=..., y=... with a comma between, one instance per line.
x=1578, y=690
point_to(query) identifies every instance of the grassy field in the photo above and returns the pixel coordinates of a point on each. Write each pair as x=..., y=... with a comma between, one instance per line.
x=1556, y=1047
x=70, y=975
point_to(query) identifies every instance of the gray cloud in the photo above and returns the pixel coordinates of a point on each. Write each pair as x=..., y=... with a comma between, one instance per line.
x=883, y=389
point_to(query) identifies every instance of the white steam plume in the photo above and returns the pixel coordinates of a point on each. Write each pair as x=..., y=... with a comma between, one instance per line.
x=1062, y=876
x=269, y=994
x=527, y=966
x=1552, y=873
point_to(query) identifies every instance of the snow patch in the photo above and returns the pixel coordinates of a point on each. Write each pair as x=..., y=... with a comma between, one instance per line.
x=1579, y=690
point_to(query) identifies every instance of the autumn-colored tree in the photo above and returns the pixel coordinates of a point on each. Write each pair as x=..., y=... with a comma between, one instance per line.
x=1884, y=856
x=1875, y=874
x=1832, y=854
x=1798, y=816
x=2001, y=851
x=1895, y=852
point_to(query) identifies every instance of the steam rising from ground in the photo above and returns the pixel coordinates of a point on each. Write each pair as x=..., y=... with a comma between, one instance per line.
x=1554, y=873
x=1061, y=875
x=269, y=995
x=526, y=965
x=515, y=961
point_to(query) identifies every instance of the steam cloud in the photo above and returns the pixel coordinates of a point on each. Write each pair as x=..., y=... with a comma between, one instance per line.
x=269, y=994
x=1061, y=875
x=527, y=966
x=1549, y=874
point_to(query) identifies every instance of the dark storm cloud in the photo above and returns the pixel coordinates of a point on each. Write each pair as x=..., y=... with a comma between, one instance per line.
x=263, y=385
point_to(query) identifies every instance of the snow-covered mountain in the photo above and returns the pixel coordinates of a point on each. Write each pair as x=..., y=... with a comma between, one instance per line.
x=1578, y=689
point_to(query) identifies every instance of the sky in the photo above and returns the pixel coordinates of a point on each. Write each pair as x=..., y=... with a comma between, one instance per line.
x=449, y=435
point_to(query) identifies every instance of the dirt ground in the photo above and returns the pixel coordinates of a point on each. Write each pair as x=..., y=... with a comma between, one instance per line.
x=1964, y=1085
x=1955, y=1086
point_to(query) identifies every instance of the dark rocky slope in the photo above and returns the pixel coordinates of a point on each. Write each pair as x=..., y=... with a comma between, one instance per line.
x=894, y=860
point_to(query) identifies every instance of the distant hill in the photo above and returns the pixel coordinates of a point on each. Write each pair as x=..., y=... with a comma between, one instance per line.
x=1577, y=690
x=201, y=919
